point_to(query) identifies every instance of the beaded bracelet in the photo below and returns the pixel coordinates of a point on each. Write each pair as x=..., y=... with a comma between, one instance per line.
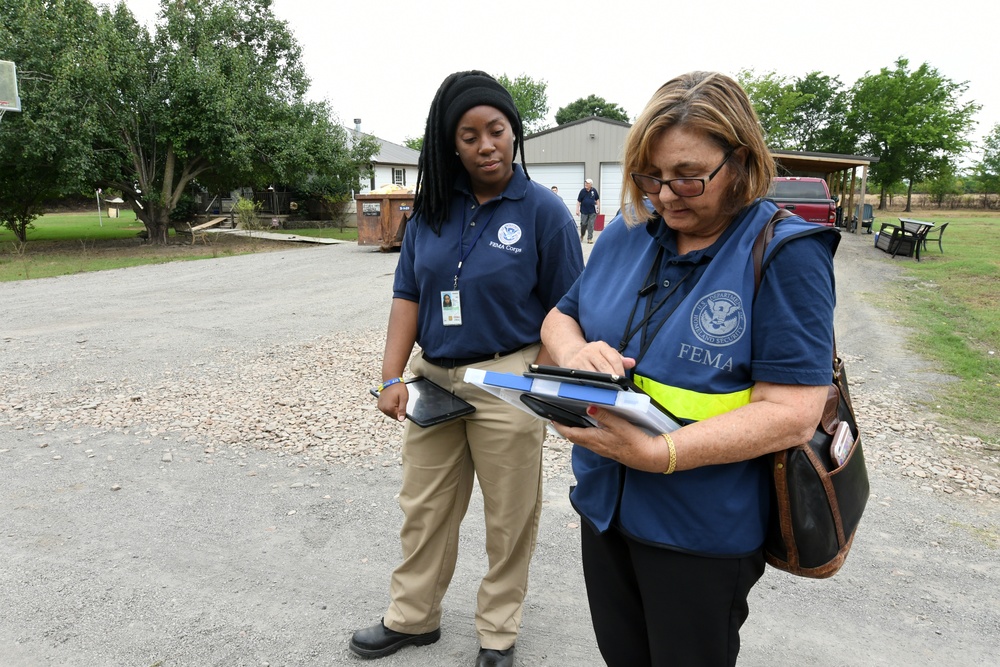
x=388, y=383
x=673, y=454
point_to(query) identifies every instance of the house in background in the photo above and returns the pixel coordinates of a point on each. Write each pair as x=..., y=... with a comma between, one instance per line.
x=568, y=154
x=393, y=165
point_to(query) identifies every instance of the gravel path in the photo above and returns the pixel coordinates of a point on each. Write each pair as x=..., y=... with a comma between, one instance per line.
x=193, y=473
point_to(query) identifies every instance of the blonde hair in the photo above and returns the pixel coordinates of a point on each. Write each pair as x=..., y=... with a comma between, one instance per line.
x=716, y=105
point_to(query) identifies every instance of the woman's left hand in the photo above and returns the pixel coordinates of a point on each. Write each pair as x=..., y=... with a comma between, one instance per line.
x=619, y=440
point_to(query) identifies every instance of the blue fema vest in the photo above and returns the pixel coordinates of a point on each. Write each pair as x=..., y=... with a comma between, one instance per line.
x=697, y=366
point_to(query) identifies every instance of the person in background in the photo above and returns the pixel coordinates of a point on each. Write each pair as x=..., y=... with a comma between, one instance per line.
x=588, y=207
x=555, y=189
x=673, y=524
x=503, y=250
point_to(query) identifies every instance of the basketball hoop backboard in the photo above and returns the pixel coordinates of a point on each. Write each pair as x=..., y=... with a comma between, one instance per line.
x=9, y=101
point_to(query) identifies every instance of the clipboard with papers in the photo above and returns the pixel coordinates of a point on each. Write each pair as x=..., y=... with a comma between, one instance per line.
x=549, y=393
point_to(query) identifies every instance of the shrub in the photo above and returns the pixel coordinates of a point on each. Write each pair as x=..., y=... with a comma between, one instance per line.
x=246, y=212
x=185, y=210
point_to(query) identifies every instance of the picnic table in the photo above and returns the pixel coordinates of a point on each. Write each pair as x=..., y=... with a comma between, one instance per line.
x=903, y=239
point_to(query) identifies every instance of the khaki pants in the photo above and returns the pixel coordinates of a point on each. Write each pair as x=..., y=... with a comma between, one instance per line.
x=500, y=445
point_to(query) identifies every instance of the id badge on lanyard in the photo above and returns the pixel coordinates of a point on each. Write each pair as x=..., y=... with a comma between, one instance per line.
x=451, y=305
x=451, y=309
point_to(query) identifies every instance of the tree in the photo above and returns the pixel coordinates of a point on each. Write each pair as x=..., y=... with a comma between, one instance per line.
x=776, y=102
x=47, y=147
x=325, y=165
x=942, y=185
x=585, y=107
x=914, y=122
x=414, y=143
x=818, y=120
x=988, y=168
x=804, y=114
x=216, y=98
x=530, y=98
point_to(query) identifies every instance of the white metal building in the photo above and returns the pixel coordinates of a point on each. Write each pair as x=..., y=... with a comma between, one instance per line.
x=566, y=155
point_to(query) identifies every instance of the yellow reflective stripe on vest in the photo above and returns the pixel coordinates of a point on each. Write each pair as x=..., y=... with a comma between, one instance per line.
x=692, y=405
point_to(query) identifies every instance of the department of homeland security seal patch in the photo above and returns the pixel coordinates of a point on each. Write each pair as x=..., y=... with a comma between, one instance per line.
x=509, y=234
x=718, y=319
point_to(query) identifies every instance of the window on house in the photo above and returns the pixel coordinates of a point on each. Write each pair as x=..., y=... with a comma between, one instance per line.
x=399, y=176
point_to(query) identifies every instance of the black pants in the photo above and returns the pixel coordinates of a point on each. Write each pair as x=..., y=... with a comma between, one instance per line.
x=657, y=607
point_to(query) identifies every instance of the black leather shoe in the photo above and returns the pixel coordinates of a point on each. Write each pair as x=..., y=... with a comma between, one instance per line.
x=379, y=641
x=491, y=657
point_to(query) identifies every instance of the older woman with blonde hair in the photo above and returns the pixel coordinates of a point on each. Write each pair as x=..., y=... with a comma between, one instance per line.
x=673, y=524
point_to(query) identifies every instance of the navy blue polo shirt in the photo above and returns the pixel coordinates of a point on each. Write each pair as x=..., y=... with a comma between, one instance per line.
x=521, y=254
x=588, y=200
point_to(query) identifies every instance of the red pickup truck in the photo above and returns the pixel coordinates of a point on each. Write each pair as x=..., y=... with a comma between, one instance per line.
x=808, y=198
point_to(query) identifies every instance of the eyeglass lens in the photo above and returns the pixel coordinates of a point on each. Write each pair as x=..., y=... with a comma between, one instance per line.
x=682, y=187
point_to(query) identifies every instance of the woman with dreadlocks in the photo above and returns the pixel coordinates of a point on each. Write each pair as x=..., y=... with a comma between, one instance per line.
x=503, y=250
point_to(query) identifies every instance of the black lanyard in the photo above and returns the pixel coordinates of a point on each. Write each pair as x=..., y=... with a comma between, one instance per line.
x=649, y=288
x=461, y=235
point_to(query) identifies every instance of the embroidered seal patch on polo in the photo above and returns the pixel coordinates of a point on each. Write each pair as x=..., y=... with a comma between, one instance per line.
x=718, y=319
x=509, y=234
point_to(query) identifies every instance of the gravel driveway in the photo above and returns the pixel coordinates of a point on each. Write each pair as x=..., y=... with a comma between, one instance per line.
x=193, y=473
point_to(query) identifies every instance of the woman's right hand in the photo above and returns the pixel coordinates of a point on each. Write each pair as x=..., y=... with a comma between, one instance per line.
x=601, y=357
x=399, y=339
x=564, y=341
x=392, y=401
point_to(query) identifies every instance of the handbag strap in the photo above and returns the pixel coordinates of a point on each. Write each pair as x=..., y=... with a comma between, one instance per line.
x=760, y=245
x=757, y=251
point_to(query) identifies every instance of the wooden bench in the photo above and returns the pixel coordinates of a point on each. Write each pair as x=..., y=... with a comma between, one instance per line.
x=205, y=225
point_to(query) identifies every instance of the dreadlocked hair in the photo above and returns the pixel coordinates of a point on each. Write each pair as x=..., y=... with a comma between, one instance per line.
x=439, y=165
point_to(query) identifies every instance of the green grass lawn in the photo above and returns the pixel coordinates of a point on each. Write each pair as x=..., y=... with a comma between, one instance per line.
x=75, y=226
x=69, y=243
x=953, y=306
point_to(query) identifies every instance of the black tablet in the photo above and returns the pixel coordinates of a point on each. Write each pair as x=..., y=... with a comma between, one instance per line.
x=567, y=415
x=592, y=379
x=577, y=376
x=429, y=404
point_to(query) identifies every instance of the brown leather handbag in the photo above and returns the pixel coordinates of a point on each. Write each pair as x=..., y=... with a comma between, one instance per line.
x=817, y=501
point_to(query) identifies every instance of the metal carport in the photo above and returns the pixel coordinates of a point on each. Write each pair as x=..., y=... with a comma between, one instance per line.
x=839, y=171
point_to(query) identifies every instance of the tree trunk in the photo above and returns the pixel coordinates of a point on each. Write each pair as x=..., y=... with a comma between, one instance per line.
x=881, y=199
x=909, y=195
x=157, y=222
x=18, y=222
x=156, y=216
x=20, y=230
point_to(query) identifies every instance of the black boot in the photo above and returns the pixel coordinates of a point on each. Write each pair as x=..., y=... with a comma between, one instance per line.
x=379, y=641
x=491, y=657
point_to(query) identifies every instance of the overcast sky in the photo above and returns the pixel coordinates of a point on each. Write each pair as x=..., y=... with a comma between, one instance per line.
x=382, y=61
